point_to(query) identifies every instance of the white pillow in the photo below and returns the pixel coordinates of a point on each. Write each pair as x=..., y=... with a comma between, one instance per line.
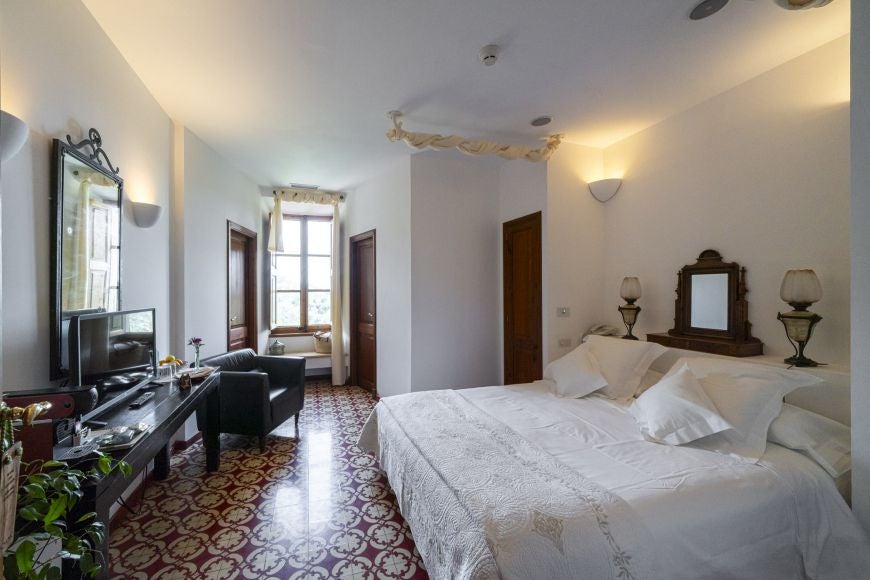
x=747, y=395
x=622, y=362
x=649, y=378
x=576, y=374
x=824, y=440
x=676, y=410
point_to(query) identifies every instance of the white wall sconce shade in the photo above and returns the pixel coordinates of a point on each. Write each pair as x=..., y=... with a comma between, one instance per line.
x=145, y=215
x=13, y=135
x=604, y=189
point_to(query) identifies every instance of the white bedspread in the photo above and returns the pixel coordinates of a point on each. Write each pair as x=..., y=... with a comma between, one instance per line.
x=702, y=514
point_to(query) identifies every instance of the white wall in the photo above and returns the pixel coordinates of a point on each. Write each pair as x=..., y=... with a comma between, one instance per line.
x=213, y=192
x=860, y=228
x=760, y=173
x=575, y=251
x=61, y=74
x=383, y=203
x=454, y=264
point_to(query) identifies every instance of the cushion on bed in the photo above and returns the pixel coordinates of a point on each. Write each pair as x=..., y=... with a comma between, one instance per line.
x=649, y=379
x=622, y=362
x=747, y=395
x=824, y=440
x=576, y=374
x=677, y=410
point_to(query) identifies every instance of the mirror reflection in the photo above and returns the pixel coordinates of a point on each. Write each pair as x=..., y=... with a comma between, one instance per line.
x=90, y=239
x=709, y=301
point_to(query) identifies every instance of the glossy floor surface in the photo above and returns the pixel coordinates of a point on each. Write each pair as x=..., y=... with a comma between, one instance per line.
x=312, y=508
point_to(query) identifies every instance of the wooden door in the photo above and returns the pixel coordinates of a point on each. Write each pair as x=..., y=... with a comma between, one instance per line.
x=521, y=251
x=241, y=288
x=363, y=311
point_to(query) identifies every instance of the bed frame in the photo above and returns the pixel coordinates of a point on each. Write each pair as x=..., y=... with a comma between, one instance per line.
x=830, y=398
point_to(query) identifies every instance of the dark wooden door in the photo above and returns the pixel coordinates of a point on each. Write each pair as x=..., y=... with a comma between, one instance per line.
x=241, y=288
x=522, y=299
x=363, y=311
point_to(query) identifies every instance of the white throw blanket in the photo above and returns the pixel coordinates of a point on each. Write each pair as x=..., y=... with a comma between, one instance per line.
x=483, y=502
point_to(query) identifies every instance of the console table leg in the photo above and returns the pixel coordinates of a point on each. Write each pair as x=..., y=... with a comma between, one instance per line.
x=161, y=463
x=211, y=434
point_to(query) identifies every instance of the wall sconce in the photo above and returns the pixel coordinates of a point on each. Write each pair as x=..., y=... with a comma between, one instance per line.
x=800, y=288
x=145, y=215
x=13, y=135
x=604, y=189
x=630, y=292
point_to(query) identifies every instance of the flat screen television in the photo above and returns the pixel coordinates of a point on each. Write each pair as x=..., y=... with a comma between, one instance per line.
x=111, y=344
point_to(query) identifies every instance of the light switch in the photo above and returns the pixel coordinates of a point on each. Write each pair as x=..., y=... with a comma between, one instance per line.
x=563, y=312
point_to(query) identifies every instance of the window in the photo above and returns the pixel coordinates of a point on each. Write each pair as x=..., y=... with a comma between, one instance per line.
x=302, y=276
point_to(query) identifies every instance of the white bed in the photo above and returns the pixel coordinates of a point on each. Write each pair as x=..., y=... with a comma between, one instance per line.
x=514, y=482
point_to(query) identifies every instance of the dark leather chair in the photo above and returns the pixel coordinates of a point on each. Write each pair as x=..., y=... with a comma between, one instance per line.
x=258, y=393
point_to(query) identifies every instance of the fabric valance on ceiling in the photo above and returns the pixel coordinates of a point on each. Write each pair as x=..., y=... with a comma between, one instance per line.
x=469, y=146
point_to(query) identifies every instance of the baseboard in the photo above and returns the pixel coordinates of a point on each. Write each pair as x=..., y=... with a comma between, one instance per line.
x=181, y=444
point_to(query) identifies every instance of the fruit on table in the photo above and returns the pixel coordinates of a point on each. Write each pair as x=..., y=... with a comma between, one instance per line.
x=171, y=360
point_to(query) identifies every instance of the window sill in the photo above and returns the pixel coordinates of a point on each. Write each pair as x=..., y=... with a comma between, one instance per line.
x=279, y=334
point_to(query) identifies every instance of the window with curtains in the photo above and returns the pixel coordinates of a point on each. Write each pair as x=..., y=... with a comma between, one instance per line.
x=302, y=276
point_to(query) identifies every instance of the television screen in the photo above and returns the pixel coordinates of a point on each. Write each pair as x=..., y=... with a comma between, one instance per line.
x=110, y=343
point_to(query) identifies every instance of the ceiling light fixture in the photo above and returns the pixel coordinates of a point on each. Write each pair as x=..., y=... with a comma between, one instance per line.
x=801, y=4
x=707, y=8
x=541, y=121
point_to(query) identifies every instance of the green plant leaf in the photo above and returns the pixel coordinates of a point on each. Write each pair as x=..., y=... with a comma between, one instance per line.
x=52, y=464
x=35, y=491
x=87, y=516
x=24, y=555
x=58, y=507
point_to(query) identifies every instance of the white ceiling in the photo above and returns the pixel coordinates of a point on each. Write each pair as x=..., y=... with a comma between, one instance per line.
x=297, y=91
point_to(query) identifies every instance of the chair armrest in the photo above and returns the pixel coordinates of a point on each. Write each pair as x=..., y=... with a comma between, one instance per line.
x=244, y=399
x=286, y=371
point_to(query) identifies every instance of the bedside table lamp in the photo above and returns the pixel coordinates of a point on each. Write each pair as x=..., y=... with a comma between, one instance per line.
x=800, y=288
x=630, y=292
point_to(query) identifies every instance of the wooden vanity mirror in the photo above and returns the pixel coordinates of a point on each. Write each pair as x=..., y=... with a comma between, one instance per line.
x=711, y=313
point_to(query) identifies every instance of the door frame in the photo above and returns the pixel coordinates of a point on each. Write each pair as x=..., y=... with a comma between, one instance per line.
x=354, y=309
x=251, y=296
x=536, y=221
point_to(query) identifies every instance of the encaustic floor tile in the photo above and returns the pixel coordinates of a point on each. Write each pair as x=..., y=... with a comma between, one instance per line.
x=314, y=507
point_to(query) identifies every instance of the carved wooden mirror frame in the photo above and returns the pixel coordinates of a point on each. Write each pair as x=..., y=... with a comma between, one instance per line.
x=737, y=339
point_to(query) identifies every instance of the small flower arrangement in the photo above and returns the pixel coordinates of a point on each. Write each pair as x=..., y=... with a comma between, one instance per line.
x=196, y=342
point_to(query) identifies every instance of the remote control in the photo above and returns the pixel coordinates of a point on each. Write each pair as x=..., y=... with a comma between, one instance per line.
x=141, y=400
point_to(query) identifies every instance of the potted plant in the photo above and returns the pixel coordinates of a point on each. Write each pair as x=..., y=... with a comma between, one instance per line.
x=46, y=500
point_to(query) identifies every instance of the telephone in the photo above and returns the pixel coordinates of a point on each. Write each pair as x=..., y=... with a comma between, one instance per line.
x=602, y=330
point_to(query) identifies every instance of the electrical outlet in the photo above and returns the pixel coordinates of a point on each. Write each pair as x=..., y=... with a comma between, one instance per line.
x=563, y=312
x=565, y=342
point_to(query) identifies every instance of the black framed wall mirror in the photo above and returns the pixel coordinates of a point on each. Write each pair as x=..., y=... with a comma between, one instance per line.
x=711, y=313
x=87, y=198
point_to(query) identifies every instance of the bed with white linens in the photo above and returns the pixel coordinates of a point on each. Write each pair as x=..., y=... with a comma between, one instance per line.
x=574, y=477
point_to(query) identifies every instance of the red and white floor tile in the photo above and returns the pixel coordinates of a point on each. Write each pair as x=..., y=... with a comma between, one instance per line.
x=312, y=508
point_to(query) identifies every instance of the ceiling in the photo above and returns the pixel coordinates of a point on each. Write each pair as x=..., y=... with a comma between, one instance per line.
x=298, y=91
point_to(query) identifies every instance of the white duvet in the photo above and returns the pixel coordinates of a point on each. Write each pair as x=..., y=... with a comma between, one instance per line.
x=704, y=515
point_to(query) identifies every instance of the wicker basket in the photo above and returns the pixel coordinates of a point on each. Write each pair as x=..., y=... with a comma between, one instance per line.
x=323, y=342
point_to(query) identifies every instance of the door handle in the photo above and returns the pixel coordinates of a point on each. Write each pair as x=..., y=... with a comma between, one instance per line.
x=371, y=316
x=234, y=318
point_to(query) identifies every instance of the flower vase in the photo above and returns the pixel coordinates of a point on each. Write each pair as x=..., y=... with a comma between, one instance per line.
x=196, y=357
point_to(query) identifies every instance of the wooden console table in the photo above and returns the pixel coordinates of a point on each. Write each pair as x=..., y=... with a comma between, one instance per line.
x=166, y=412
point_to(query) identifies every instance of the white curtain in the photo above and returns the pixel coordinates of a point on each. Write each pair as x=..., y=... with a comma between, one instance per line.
x=276, y=244
x=338, y=366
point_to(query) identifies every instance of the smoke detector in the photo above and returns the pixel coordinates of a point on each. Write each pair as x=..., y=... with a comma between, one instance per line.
x=489, y=54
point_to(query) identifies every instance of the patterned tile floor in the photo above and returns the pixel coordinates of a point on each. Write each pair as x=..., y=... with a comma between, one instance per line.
x=314, y=508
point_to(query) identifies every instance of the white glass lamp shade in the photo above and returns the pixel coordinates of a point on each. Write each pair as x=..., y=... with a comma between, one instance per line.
x=630, y=289
x=604, y=189
x=800, y=287
x=13, y=134
x=145, y=215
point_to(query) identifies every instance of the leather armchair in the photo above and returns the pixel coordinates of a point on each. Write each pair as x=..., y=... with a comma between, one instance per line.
x=258, y=393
